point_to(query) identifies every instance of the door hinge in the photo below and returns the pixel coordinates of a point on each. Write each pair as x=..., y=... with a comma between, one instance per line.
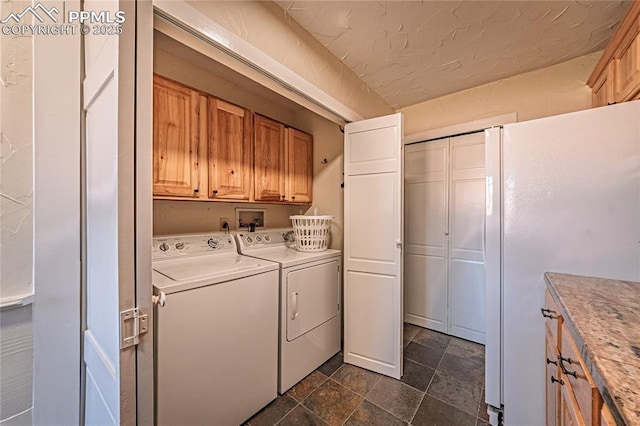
x=132, y=325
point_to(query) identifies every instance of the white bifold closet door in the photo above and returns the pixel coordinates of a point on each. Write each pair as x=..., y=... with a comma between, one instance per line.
x=444, y=223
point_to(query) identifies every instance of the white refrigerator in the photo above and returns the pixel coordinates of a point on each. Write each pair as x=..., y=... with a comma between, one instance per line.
x=563, y=195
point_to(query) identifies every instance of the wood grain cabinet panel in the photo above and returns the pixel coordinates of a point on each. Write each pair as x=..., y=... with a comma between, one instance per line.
x=616, y=77
x=569, y=412
x=175, y=139
x=603, y=89
x=299, y=179
x=270, y=159
x=577, y=378
x=628, y=67
x=552, y=387
x=606, y=418
x=230, y=152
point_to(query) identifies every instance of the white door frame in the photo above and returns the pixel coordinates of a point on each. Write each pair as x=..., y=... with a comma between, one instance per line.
x=144, y=206
x=56, y=320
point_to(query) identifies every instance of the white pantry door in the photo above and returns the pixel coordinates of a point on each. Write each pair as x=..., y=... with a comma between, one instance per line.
x=426, y=219
x=373, y=244
x=108, y=104
x=466, y=227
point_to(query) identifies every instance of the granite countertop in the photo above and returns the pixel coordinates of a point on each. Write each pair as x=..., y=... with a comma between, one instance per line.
x=603, y=317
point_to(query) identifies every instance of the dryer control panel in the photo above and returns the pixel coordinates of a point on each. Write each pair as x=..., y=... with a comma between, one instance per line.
x=265, y=239
x=192, y=245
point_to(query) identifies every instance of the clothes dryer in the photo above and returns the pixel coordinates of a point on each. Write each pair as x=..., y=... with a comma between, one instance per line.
x=310, y=302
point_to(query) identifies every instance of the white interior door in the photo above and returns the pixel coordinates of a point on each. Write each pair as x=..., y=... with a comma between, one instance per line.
x=108, y=95
x=466, y=218
x=426, y=179
x=372, y=245
x=444, y=216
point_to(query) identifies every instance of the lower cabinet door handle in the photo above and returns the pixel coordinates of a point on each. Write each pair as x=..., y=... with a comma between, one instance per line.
x=554, y=380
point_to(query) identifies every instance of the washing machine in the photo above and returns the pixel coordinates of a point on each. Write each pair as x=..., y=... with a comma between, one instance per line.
x=310, y=311
x=216, y=330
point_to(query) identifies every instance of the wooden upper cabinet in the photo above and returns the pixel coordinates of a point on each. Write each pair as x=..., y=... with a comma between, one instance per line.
x=603, y=90
x=230, y=159
x=627, y=65
x=299, y=179
x=270, y=159
x=211, y=150
x=175, y=139
x=616, y=77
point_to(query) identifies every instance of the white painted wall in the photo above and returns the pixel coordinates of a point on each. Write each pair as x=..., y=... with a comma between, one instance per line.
x=545, y=92
x=266, y=26
x=16, y=220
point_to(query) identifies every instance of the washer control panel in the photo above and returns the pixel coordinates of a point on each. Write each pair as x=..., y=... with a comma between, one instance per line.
x=264, y=239
x=193, y=244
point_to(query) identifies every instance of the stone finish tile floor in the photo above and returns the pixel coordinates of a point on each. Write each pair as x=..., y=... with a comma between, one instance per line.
x=443, y=384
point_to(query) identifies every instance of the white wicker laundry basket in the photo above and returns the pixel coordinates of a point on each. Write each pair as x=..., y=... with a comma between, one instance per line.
x=311, y=232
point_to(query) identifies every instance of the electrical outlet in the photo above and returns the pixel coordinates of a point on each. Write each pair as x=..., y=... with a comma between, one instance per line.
x=224, y=223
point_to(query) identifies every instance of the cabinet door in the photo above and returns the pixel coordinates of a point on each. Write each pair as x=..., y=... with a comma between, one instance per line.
x=603, y=90
x=299, y=179
x=606, y=418
x=269, y=151
x=569, y=411
x=578, y=379
x=628, y=67
x=552, y=387
x=175, y=139
x=229, y=143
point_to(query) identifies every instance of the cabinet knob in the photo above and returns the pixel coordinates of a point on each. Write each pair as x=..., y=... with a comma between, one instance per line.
x=293, y=197
x=550, y=361
x=282, y=196
x=214, y=192
x=232, y=171
x=196, y=191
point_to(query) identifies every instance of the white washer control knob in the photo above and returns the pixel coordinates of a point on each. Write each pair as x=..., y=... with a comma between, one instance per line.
x=213, y=243
x=164, y=247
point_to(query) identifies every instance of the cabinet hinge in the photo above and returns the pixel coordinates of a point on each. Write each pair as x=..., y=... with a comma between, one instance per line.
x=132, y=325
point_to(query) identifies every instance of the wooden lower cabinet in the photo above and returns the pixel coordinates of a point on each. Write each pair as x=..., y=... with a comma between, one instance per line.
x=572, y=397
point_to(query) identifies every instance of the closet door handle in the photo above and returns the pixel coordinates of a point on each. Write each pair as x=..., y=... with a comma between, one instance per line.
x=294, y=305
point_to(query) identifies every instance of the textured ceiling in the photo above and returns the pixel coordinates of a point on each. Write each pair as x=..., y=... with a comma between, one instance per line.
x=412, y=51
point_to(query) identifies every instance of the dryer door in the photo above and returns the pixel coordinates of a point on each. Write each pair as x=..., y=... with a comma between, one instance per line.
x=312, y=297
